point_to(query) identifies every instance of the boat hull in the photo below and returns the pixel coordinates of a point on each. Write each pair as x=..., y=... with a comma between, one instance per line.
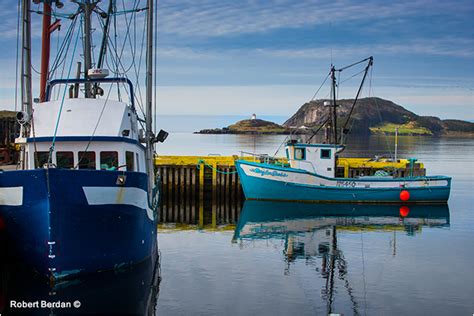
x=269, y=182
x=67, y=222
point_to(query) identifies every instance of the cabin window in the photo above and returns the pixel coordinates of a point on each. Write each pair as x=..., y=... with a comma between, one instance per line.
x=41, y=158
x=138, y=162
x=108, y=160
x=287, y=154
x=86, y=160
x=300, y=153
x=65, y=159
x=129, y=161
x=326, y=153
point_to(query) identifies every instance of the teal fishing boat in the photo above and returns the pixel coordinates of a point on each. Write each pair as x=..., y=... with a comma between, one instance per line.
x=316, y=173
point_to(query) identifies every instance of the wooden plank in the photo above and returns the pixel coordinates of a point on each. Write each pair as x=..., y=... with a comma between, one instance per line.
x=176, y=193
x=214, y=194
x=163, y=193
x=201, y=195
x=193, y=195
x=188, y=195
x=181, y=194
x=221, y=196
x=227, y=195
x=169, y=184
x=232, y=195
x=218, y=195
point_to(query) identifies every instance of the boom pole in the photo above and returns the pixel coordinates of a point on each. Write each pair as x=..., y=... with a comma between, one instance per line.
x=334, y=105
x=87, y=8
x=45, y=48
x=26, y=98
x=149, y=99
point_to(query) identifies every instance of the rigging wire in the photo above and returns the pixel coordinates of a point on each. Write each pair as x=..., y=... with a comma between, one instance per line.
x=322, y=84
x=62, y=55
x=17, y=54
x=118, y=62
x=51, y=149
x=95, y=128
x=378, y=112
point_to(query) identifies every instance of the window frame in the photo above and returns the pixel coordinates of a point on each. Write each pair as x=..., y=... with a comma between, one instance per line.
x=36, y=158
x=130, y=154
x=58, y=153
x=325, y=150
x=112, y=167
x=82, y=154
x=303, y=151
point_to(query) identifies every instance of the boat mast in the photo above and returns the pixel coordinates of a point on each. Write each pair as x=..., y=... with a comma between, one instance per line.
x=48, y=28
x=334, y=106
x=26, y=98
x=87, y=7
x=105, y=36
x=149, y=99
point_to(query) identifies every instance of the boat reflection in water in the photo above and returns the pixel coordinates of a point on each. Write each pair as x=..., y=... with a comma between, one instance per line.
x=133, y=291
x=309, y=232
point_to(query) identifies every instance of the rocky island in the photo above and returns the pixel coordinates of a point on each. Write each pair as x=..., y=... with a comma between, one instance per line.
x=250, y=126
x=371, y=116
x=378, y=116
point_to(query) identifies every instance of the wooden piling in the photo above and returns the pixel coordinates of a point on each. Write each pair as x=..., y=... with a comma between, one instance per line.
x=201, y=195
x=214, y=194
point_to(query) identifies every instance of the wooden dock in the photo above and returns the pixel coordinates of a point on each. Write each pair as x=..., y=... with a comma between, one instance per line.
x=199, y=190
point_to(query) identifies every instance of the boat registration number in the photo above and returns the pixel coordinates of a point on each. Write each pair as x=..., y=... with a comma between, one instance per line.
x=346, y=184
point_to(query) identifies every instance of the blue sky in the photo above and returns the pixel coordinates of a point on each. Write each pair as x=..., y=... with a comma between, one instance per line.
x=269, y=57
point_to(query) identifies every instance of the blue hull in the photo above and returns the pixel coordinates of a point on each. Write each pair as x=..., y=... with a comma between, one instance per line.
x=59, y=233
x=264, y=188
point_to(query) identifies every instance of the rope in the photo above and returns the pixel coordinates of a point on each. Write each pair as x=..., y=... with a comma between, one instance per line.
x=51, y=149
x=322, y=84
x=201, y=161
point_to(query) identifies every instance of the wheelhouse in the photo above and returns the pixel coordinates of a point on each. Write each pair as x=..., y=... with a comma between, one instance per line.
x=86, y=133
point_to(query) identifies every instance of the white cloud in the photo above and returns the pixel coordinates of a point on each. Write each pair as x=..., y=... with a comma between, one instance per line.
x=454, y=47
x=217, y=18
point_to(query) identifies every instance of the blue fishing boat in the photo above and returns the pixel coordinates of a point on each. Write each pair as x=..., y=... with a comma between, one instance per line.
x=83, y=198
x=316, y=173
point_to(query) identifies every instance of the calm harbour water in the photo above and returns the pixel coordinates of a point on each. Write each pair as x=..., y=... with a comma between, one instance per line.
x=382, y=263
x=285, y=258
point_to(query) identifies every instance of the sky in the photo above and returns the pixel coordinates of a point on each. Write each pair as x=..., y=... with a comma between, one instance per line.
x=269, y=57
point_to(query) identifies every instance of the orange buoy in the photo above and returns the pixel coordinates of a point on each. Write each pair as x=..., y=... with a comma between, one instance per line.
x=404, y=211
x=404, y=195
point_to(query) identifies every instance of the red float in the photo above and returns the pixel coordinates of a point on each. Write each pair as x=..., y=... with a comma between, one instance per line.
x=404, y=195
x=404, y=211
x=2, y=224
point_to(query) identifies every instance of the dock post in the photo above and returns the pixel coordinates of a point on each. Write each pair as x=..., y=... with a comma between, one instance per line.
x=201, y=195
x=214, y=194
x=188, y=195
x=193, y=195
x=181, y=194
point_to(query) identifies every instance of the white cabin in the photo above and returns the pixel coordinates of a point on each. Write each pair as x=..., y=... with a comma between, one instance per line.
x=315, y=158
x=92, y=133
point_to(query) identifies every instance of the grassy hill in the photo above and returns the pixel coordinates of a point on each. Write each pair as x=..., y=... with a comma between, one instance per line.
x=252, y=126
x=378, y=116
